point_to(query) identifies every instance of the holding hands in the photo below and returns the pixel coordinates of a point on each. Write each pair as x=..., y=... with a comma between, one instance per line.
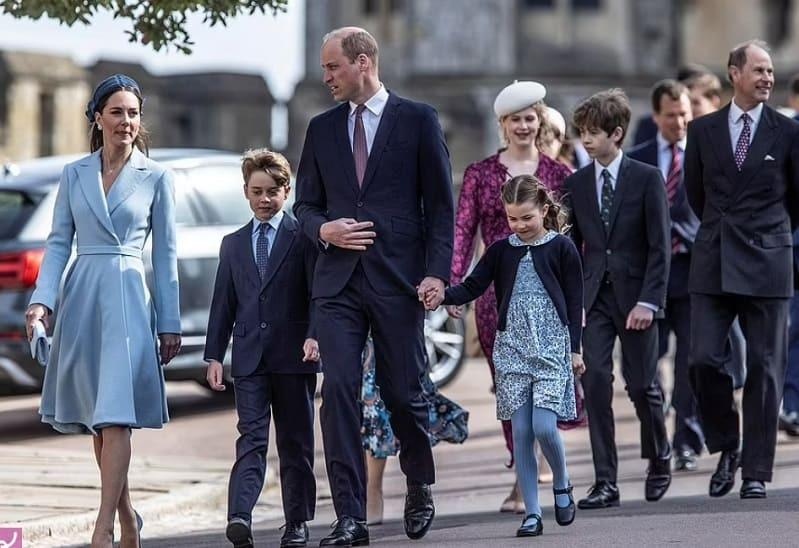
x=431, y=292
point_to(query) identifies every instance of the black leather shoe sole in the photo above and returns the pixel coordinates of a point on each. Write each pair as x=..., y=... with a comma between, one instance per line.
x=341, y=542
x=753, y=493
x=586, y=505
x=239, y=534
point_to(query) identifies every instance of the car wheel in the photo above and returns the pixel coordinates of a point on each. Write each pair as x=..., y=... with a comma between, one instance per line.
x=445, y=342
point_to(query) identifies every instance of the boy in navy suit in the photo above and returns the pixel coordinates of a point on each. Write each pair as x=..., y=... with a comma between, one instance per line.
x=262, y=297
x=620, y=221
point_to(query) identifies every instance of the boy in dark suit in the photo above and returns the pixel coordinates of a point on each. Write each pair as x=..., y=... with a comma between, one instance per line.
x=262, y=297
x=620, y=222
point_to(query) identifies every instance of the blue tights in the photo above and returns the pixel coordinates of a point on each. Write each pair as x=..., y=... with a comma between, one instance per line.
x=530, y=422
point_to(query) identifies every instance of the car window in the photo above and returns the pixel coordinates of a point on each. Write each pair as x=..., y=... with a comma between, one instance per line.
x=219, y=191
x=16, y=209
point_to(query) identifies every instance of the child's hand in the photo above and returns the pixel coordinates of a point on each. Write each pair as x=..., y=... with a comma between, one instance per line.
x=214, y=376
x=310, y=350
x=433, y=298
x=578, y=367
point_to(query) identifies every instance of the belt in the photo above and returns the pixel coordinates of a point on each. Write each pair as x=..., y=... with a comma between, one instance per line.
x=128, y=251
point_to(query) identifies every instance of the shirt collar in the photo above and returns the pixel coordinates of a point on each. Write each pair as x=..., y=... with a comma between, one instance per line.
x=274, y=222
x=663, y=144
x=736, y=111
x=375, y=104
x=612, y=167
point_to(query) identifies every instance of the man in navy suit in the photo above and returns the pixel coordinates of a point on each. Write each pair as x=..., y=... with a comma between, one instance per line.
x=742, y=180
x=262, y=296
x=374, y=189
x=620, y=221
x=671, y=107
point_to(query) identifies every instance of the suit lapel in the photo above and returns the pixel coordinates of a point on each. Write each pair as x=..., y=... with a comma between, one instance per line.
x=384, y=129
x=341, y=131
x=129, y=179
x=589, y=194
x=244, y=243
x=622, y=182
x=283, y=239
x=91, y=184
x=767, y=132
x=722, y=143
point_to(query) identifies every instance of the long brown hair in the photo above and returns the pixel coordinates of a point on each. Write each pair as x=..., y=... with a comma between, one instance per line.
x=96, y=136
x=529, y=189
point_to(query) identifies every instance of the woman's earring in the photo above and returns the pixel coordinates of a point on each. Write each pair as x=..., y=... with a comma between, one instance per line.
x=99, y=127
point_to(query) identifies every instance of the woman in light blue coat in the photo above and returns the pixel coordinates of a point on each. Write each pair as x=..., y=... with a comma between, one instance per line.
x=104, y=374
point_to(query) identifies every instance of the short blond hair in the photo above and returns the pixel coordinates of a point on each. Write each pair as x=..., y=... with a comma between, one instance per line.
x=263, y=159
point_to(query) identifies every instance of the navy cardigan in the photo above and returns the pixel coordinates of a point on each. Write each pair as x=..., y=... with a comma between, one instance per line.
x=557, y=263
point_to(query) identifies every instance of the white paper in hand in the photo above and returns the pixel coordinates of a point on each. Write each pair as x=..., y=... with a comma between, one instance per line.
x=40, y=345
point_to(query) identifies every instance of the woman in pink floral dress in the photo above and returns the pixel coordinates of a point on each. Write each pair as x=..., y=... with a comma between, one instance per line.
x=520, y=112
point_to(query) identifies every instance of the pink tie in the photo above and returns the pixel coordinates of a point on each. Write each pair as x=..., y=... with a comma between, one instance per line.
x=359, y=151
x=672, y=182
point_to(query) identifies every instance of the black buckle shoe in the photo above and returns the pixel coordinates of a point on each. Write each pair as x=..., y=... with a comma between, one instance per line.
x=533, y=530
x=295, y=534
x=347, y=531
x=419, y=510
x=723, y=479
x=239, y=533
x=602, y=494
x=564, y=515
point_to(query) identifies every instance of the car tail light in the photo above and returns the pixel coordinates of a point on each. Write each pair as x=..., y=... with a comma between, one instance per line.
x=20, y=269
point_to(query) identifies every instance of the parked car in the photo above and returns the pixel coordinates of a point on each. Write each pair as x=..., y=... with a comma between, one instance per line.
x=209, y=204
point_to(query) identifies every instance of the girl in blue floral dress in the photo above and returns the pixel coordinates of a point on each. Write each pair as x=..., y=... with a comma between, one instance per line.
x=539, y=285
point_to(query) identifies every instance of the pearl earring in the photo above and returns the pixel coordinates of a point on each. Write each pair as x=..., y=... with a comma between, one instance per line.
x=99, y=127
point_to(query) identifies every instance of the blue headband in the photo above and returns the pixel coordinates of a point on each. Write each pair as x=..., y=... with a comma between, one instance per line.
x=107, y=87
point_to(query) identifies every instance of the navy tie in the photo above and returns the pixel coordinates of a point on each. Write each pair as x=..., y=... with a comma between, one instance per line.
x=262, y=249
x=606, y=199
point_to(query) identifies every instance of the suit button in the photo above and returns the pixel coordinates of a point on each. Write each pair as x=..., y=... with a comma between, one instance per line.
x=359, y=204
x=751, y=242
x=608, y=252
x=263, y=325
x=261, y=298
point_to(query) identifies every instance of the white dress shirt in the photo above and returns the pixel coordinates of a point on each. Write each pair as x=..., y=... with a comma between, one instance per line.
x=274, y=222
x=736, y=125
x=371, y=117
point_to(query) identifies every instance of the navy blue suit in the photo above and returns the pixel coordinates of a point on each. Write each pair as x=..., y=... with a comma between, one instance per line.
x=407, y=194
x=790, y=399
x=269, y=321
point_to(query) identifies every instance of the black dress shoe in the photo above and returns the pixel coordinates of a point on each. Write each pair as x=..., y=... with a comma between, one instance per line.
x=296, y=534
x=602, y=494
x=723, y=479
x=347, y=532
x=532, y=530
x=789, y=423
x=658, y=479
x=239, y=533
x=685, y=460
x=753, y=489
x=419, y=510
x=564, y=515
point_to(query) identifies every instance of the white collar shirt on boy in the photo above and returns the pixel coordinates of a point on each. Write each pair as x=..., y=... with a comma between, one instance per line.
x=613, y=169
x=274, y=223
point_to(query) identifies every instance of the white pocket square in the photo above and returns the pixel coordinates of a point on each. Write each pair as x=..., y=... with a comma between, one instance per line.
x=40, y=345
x=768, y=158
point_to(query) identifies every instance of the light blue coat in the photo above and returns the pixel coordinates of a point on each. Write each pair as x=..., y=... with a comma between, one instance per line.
x=104, y=367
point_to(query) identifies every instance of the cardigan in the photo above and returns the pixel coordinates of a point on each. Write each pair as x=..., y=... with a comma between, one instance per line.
x=557, y=263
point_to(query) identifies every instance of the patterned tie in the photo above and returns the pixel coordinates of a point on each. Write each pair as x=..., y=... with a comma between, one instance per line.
x=607, y=199
x=672, y=182
x=742, y=147
x=262, y=249
x=359, y=150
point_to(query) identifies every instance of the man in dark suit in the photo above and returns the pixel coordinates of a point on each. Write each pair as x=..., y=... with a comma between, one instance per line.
x=262, y=296
x=620, y=221
x=671, y=107
x=375, y=190
x=742, y=179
